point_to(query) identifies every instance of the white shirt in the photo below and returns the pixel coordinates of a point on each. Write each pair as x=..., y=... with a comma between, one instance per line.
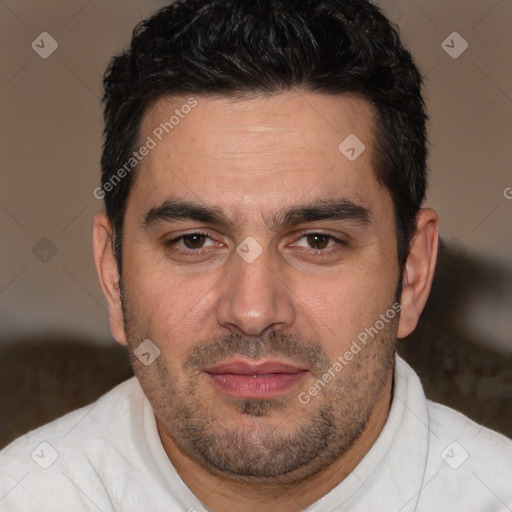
x=108, y=457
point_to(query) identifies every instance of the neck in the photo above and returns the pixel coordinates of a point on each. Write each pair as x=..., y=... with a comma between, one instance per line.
x=219, y=492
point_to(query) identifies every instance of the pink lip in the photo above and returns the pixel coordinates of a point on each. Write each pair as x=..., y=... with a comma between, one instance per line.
x=252, y=380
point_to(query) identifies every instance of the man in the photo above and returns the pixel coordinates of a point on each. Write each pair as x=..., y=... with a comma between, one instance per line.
x=263, y=248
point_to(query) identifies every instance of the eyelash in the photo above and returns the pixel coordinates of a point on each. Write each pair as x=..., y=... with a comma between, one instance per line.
x=327, y=252
x=170, y=244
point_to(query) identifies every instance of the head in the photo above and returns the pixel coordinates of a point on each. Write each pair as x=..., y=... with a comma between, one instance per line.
x=268, y=215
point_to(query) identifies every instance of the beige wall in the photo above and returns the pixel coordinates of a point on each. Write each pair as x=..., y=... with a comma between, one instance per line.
x=51, y=139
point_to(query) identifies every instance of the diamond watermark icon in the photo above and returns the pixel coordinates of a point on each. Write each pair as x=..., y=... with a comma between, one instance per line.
x=44, y=455
x=249, y=249
x=44, y=45
x=454, y=45
x=351, y=147
x=147, y=352
x=454, y=455
x=44, y=250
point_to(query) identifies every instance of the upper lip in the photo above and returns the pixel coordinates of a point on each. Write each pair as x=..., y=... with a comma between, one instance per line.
x=240, y=367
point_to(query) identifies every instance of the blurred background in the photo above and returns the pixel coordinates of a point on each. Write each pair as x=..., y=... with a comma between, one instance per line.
x=56, y=350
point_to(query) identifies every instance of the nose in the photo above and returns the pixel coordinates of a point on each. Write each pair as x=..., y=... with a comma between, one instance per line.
x=254, y=298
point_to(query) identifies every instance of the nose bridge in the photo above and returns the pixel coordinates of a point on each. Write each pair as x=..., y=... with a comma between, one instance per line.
x=254, y=298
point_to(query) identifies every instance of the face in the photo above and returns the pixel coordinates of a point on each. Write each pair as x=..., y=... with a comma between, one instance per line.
x=255, y=254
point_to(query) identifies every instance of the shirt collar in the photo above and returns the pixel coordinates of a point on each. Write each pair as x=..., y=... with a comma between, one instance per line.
x=390, y=476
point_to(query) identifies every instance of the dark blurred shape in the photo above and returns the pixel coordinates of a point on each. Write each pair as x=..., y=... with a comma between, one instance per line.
x=457, y=370
x=43, y=379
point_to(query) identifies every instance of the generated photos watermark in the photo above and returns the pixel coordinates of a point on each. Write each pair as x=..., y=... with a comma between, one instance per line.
x=343, y=360
x=151, y=143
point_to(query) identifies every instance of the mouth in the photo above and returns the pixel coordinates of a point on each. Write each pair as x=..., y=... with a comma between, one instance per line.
x=255, y=380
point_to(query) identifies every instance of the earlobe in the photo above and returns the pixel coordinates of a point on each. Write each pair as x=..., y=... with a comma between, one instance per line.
x=419, y=270
x=108, y=273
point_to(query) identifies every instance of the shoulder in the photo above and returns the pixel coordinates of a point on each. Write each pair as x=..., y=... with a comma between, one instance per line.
x=446, y=425
x=451, y=424
x=466, y=466
x=88, y=421
x=469, y=466
x=72, y=449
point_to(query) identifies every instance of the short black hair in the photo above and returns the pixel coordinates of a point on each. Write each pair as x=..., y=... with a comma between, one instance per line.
x=234, y=48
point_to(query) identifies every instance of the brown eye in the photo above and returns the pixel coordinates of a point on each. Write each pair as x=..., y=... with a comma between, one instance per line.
x=194, y=240
x=318, y=241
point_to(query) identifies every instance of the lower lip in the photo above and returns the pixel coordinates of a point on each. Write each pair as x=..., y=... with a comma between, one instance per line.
x=262, y=386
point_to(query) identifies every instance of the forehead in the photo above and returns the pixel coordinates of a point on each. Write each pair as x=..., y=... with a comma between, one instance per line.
x=259, y=152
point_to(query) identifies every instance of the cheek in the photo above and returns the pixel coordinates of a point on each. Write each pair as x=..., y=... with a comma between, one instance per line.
x=167, y=306
x=337, y=309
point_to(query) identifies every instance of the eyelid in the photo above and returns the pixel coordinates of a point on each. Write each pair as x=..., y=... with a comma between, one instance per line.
x=175, y=239
x=332, y=242
x=339, y=238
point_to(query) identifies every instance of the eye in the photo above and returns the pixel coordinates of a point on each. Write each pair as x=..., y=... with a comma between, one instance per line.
x=194, y=240
x=317, y=241
x=190, y=242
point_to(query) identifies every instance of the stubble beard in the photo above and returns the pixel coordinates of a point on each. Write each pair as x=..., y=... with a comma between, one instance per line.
x=306, y=440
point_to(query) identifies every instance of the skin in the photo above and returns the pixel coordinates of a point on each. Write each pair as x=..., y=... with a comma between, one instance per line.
x=302, y=301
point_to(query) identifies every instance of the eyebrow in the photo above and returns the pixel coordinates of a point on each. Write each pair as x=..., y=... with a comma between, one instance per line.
x=340, y=209
x=175, y=209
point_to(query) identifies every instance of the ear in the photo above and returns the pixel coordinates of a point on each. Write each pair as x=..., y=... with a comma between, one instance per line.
x=419, y=270
x=108, y=273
